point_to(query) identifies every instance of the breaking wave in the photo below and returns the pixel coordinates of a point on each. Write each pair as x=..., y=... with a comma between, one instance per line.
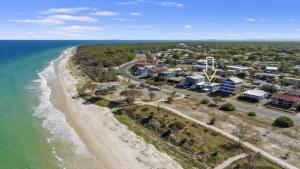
x=54, y=120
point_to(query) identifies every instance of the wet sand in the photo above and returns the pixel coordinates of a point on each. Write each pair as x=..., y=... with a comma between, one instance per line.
x=112, y=144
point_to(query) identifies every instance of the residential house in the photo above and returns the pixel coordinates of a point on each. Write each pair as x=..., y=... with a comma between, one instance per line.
x=201, y=62
x=167, y=74
x=198, y=67
x=231, y=86
x=179, y=61
x=239, y=69
x=175, y=80
x=142, y=71
x=269, y=77
x=255, y=94
x=156, y=70
x=285, y=100
x=192, y=80
x=207, y=86
x=190, y=61
x=175, y=69
x=271, y=70
x=142, y=52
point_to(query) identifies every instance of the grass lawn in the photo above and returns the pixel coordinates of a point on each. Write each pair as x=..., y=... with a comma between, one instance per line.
x=140, y=56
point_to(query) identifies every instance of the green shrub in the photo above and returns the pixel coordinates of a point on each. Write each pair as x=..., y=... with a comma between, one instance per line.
x=131, y=86
x=212, y=121
x=270, y=89
x=218, y=99
x=170, y=99
x=227, y=107
x=284, y=122
x=215, y=154
x=101, y=92
x=286, y=82
x=251, y=114
x=298, y=107
x=145, y=109
x=176, y=126
x=249, y=100
x=152, y=95
x=204, y=101
x=212, y=105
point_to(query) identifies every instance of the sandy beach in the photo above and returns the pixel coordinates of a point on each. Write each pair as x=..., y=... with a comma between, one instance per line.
x=112, y=144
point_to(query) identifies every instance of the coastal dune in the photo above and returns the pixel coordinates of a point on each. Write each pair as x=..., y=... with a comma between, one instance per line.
x=112, y=144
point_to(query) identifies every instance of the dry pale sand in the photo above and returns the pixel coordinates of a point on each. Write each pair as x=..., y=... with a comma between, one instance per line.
x=113, y=145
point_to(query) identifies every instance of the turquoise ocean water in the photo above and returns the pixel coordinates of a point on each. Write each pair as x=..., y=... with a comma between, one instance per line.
x=23, y=141
x=33, y=134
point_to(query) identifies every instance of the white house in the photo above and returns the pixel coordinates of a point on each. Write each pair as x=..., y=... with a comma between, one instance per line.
x=255, y=94
x=239, y=68
x=175, y=69
x=201, y=62
x=208, y=87
x=271, y=69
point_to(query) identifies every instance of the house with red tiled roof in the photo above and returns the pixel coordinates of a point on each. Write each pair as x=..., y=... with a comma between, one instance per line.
x=156, y=70
x=285, y=100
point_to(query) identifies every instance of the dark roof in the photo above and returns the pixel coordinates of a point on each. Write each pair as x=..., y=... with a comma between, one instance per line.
x=286, y=97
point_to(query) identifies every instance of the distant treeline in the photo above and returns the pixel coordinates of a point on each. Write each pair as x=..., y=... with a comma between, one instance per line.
x=98, y=61
x=260, y=50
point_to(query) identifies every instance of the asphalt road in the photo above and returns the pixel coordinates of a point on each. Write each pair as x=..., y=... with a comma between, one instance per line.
x=245, y=107
x=125, y=74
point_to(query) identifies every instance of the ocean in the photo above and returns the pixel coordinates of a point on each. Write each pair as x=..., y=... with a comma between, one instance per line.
x=33, y=134
x=23, y=140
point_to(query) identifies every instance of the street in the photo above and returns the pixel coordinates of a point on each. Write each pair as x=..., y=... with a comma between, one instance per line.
x=245, y=107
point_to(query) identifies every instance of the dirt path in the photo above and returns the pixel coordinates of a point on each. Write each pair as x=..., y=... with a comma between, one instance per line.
x=230, y=160
x=270, y=157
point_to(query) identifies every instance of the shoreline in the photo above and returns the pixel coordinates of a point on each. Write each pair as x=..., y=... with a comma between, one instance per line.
x=112, y=144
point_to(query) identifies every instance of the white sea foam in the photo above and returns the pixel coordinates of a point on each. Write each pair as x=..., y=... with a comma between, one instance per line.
x=53, y=119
